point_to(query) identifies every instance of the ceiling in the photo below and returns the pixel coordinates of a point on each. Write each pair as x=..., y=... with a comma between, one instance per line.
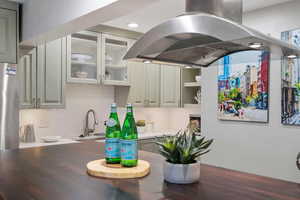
x=165, y=9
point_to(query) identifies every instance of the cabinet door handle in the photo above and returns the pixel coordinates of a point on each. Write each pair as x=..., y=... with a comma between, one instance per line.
x=152, y=101
x=138, y=101
x=38, y=103
x=146, y=102
x=33, y=102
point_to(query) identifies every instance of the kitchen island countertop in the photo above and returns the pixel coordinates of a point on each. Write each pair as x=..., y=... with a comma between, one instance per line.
x=59, y=172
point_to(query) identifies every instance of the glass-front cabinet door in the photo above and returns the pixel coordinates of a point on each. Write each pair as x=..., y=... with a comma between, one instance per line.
x=83, y=50
x=114, y=68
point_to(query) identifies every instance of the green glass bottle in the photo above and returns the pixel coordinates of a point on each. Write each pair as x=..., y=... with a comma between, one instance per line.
x=129, y=136
x=112, y=137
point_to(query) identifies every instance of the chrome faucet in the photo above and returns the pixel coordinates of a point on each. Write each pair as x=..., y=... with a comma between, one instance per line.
x=87, y=129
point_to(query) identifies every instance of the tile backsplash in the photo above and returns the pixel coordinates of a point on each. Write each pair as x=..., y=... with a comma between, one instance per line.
x=69, y=122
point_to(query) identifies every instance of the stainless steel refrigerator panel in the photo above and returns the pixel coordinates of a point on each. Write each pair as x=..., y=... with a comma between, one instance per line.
x=9, y=107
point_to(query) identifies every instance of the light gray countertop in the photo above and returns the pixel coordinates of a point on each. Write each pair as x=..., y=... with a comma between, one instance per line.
x=146, y=135
x=149, y=135
x=40, y=144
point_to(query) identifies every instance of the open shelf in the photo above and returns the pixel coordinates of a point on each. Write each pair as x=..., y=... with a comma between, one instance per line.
x=115, y=67
x=116, y=83
x=188, y=105
x=91, y=64
x=85, y=42
x=191, y=84
x=122, y=46
x=190, y=87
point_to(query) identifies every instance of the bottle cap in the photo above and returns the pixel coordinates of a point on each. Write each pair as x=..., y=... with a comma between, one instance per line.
x=113, y=105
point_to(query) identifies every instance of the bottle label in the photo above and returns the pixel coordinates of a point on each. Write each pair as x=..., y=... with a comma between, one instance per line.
x=113, y=109
x=129, y=149
x=111, y=122
x=112, y=148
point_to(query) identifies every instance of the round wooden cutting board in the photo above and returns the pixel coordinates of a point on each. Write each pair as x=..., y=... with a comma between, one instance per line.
x=99, y=168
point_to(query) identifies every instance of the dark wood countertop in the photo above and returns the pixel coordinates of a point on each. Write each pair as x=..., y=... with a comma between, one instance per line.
x=59, y=173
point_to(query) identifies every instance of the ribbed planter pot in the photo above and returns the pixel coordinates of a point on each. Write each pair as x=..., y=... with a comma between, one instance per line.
x=181, y=173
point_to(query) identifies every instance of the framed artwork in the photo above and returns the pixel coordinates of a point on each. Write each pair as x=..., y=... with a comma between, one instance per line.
x=290, y=82
x=243, y=86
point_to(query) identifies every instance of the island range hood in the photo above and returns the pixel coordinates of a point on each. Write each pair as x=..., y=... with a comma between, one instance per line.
x=209, y=30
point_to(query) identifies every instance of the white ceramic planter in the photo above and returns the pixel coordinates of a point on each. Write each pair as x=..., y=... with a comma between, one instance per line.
x=181, y=174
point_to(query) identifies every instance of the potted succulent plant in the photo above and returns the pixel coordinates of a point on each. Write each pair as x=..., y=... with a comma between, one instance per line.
x=182, y=152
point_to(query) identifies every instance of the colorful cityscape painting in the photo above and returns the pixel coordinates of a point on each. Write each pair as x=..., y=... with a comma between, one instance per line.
x=243, y=86
x=290, y=83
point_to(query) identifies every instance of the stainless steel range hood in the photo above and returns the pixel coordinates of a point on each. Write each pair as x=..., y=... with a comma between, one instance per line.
x=209, y=30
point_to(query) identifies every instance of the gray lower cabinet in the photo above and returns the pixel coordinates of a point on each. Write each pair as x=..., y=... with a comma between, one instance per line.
x=51, y=74
x=148, y=145
x=8, y=36
x=27, y=80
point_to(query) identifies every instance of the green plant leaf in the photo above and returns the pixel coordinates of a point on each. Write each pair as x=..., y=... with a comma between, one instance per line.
x=184, y=147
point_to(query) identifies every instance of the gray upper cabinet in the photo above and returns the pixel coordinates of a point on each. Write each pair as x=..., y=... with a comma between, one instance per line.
x=84, y=57
x=114, y=69
x=51, y=67
x=152, y=85
x=8, y=36
x=137, y=93
x=27, y=80
x=170, y=86
x=145, y=84
x=97, y=58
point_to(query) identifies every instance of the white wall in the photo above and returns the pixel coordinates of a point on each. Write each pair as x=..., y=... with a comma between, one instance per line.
x=275, y=19
x=266, y=149
x=69, y=122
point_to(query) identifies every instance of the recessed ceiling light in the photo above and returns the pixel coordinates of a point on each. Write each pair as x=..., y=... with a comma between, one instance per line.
x=255, y=45
x=292, y=56
x=132, y=25
x=147, y=61
x=188, y=67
